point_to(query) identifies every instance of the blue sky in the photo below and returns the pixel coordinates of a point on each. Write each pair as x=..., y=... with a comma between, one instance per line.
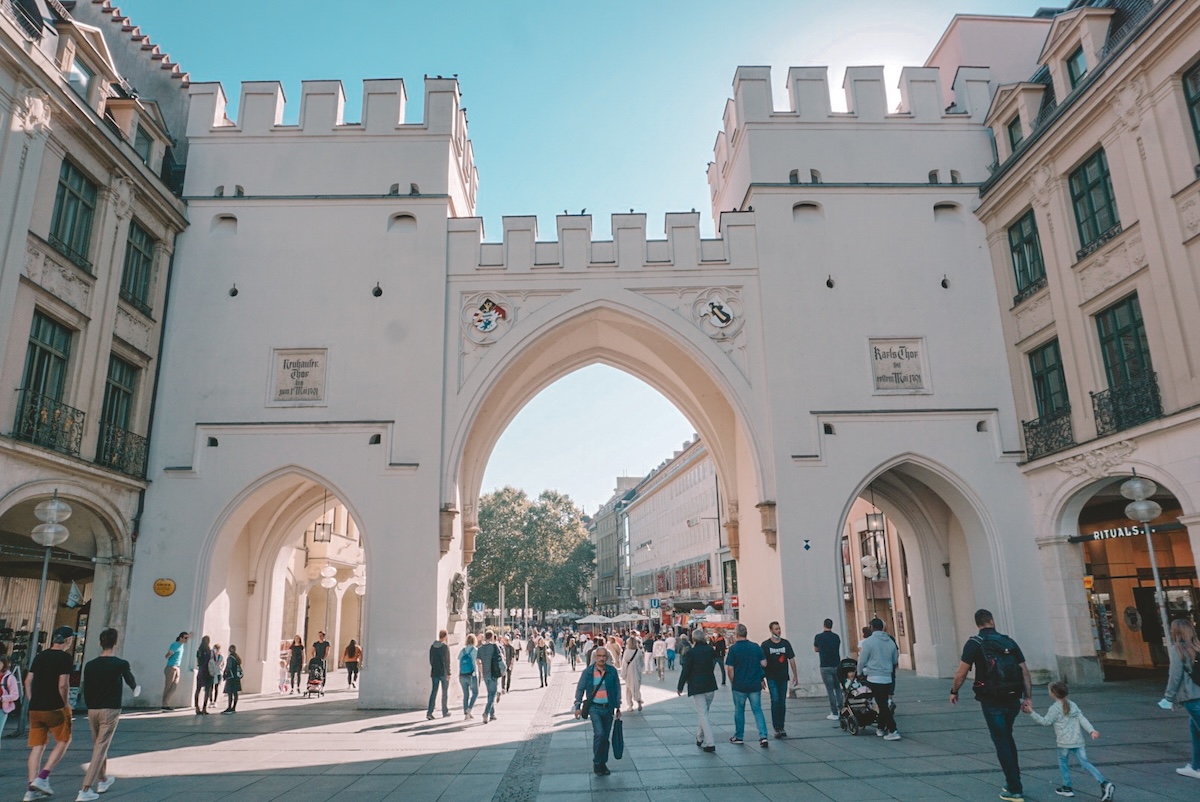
x=606, y=106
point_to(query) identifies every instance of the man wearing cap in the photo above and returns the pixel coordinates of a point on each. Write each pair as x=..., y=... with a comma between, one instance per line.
x=47, y=686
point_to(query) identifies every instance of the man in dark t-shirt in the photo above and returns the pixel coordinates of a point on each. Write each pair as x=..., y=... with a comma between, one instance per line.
x=999, y=711
x=47, y=686
x=828, y=645
x=439, y=672
x=778, y=653
x=717, y=642
x=102, y=678
x=489, y=657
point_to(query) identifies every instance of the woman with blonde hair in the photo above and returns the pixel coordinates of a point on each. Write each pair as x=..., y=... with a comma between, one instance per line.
x=1182, y=686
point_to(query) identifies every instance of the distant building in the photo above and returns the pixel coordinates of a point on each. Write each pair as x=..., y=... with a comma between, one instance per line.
x=610, y=536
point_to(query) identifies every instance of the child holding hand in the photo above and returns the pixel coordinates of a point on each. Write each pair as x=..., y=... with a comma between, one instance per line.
x=1069, y=726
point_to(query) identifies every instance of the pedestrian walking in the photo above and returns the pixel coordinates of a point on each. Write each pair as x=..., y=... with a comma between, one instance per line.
x=491, y=668
x=1003, y=688
x=648, y=652
x=531, y=648
x=215, y=681
x=1069, y=726
x=47, y=690
x=878, y=657
x=352, y=659
x=1183, y=685
x=320, y=650
x=778, y=653
x=174, y=658
x=683, y=644
x=10, y=692
x=717, y=642
x=510, y=658
x=439, y=673
x=631, y=670
x=602, y=688
x=205, y=666
x=468, y=678
x=233, y=679
x=572, y=648
x=696, y=674
x=102, y=678
x=828, y=646
x=660, y=655
x=542, y=656
x=295, y=663
x=744, y=663
x=670, y=640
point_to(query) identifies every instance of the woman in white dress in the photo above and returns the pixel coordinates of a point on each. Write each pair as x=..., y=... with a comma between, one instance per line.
x=631, y=669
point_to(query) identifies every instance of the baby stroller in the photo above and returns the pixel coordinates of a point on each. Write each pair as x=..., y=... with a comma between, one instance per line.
x=858, y=704
x=316, y=678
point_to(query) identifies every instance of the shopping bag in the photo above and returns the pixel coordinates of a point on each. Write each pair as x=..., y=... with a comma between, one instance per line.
x=618, y=739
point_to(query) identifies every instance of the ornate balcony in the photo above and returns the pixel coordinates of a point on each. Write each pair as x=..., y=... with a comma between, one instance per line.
x=1119, y=408
x=49, y=423
x=123, y=451
x=1048, y=434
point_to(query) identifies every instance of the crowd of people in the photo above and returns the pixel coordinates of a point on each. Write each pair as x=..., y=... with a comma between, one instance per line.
x=611, y=666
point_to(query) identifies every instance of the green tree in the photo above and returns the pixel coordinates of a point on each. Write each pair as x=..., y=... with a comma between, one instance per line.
x=543, y=541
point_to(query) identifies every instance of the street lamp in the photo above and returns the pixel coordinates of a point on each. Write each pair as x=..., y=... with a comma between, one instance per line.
x=51, y=532
x=1143, y=509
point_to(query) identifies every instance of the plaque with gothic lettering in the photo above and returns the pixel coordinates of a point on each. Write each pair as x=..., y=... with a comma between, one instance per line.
x=297, y=377
x=899, y=366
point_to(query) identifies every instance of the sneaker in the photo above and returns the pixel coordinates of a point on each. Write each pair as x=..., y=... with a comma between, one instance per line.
x=42, y=784
x=1065, y=790
x=736, y=740
x=709, y=748
x=1012, y=796
x=892, y=736
x=880, y=733
x=780, y=734
x=86, y=796
x=106, y=783
x=31, y=795
x=1107, y=790
x=1188, y=771
x=429, y=716
x=832, y=717
x=764, y=743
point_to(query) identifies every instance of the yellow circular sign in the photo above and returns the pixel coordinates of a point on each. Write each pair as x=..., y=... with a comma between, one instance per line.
x=164, y=587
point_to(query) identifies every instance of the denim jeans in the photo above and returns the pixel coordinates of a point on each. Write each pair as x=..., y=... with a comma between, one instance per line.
x=1000, y=716
x=470, y=689
x=778, y=689
x=704, y=731
x=882, y=691
x=1064, y=764
x=832, y=689
x=1193, y=708
x=445, y=683
x=490, y=708
x=544, y=671
x=602, y=722
x=739, y=713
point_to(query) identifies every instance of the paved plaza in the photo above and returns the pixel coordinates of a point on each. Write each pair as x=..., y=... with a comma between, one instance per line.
x=300, y=750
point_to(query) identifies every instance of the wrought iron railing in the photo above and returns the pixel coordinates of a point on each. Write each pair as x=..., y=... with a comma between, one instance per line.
x=69, y=252
x=1095, y=245
x=1119, y=408
x=1030, y=289
x=136, y=302
x=123, y=451
x=18, y=13
x=1048, y=434
x=49, y=423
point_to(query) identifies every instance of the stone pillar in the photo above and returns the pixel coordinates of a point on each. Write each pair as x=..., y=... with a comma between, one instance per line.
x=1068, y=611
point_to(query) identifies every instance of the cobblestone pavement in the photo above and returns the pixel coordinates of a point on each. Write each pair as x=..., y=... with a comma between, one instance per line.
x=314, y=750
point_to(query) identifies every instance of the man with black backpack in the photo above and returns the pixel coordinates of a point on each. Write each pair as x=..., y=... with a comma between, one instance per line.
x=1003, y=688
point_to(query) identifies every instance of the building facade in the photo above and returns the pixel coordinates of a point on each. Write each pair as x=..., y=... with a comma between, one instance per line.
x=1092, y=224
x=609, y=533
x=90, y=113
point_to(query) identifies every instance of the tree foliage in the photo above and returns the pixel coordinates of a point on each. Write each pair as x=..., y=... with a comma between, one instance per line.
x=541, y=540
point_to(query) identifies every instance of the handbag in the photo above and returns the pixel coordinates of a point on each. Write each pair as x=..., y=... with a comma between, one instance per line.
x=618, y=739
x=585, y=708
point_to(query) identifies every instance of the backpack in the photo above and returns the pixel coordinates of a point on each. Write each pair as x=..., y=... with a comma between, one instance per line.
x=497, y=663
x=214, y=667
x=1194, y=672
x=1004, y=676
x=466, y=661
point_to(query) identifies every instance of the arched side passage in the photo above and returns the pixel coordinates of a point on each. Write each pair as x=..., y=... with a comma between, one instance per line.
x=627, y=338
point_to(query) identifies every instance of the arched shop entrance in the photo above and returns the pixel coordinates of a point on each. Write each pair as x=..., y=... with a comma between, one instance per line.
x=86, y=580
x=1118, y=581
x=290, y=560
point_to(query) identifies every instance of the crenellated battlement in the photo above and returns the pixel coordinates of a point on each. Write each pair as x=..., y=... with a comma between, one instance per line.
x=383, y=150
x=150, y=51
x=808, y=143
x=520, y=251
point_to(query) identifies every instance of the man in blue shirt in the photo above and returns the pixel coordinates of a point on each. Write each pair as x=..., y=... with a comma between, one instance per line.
x=828, y=645
x=174, y=657
x=744, y=664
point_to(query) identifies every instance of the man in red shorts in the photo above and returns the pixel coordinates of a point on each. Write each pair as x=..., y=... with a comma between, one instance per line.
x=46, y=687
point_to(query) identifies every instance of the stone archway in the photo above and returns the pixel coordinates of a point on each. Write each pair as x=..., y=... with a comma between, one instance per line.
x=632, y=337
